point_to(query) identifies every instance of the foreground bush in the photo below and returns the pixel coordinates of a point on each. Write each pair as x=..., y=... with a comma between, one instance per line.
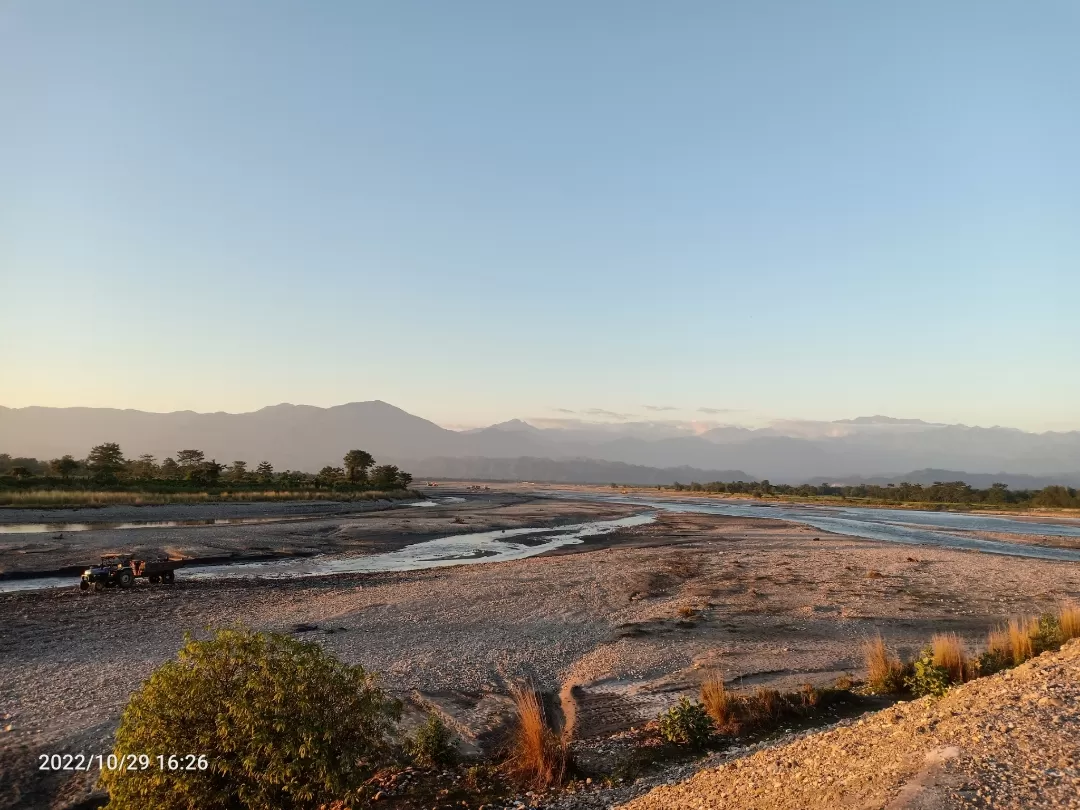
x=282, y=725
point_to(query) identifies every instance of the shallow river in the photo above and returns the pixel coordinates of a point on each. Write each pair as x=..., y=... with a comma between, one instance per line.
x=890, y=525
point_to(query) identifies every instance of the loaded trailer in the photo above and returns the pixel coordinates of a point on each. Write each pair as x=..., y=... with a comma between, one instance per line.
x=122, y=571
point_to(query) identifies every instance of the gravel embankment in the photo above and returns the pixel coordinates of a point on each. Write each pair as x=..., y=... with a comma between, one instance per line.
x=1008, y=741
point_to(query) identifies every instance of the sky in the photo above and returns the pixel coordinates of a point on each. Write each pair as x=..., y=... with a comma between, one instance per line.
x=485, y=210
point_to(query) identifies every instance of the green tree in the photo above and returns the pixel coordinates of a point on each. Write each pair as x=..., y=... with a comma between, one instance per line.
x=329, y=476
x=170, y=470
x=404, y=479
x=105, y=461
x=1055, y=496
x=189, y=459
x=385, y=476
x=207, y=472
x=265, y=472
x=283, y=725
x=64, y=466
x=144, y=467
x=238, y=471
x=357, y=464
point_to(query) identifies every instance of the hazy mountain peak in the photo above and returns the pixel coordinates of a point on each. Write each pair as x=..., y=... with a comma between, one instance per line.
x=514, y=425
x=878, y=419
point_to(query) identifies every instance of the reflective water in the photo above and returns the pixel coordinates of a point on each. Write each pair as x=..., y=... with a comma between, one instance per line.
x=890, y=525
x=491, y=546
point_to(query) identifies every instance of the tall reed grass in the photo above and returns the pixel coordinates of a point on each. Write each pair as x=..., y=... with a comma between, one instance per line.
x=719, y=703
x=537, y=758
x=950, y=655
x=1069, y=621
x=884, y=671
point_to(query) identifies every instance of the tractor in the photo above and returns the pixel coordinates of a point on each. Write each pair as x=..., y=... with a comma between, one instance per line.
x=121, y=571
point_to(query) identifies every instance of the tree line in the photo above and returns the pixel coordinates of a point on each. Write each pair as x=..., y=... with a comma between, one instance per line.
x=106, y=464
x=938, y=492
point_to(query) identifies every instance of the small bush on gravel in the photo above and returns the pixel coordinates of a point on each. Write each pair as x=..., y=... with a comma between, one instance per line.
x=686, y=723
x=927, y=678
x=283, y=726
x=432, y=745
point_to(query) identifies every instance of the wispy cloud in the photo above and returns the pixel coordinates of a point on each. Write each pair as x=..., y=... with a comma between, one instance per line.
x=660, y=408
x=563, y=410
x=719, y=410
x=606, y=414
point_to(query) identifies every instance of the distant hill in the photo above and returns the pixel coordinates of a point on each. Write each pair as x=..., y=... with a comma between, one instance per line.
x=304, y=437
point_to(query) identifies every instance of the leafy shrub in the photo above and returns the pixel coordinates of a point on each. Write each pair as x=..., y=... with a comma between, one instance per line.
x=686, y=723
x=283, y=726
x=1047, y=634
x=927, y=678
x=432, y=745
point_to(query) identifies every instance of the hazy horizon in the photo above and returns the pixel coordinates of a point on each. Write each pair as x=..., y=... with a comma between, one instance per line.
x=482, y=211
x=695, y=421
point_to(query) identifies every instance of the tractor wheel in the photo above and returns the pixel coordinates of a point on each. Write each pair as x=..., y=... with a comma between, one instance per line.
x=155, y=579
x=125, y=579
x=168, y=577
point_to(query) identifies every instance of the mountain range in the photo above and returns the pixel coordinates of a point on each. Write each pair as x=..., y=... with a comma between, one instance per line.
x=874, y=449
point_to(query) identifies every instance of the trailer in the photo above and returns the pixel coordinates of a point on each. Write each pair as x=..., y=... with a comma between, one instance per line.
x=122, y=571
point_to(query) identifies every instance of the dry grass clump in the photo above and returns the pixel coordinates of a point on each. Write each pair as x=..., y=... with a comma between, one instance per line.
x=719, y=703
x=999, y=644
x=1069, y=621
x=537, y=757
x=872, y=574
x=734, y=714
x=1020, y=632
x=809, y=696
x=884, y=671
x=764, y=705
x=686, y=611
x=950, y=655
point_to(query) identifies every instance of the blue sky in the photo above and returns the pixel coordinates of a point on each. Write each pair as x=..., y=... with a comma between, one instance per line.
x=478, y=211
